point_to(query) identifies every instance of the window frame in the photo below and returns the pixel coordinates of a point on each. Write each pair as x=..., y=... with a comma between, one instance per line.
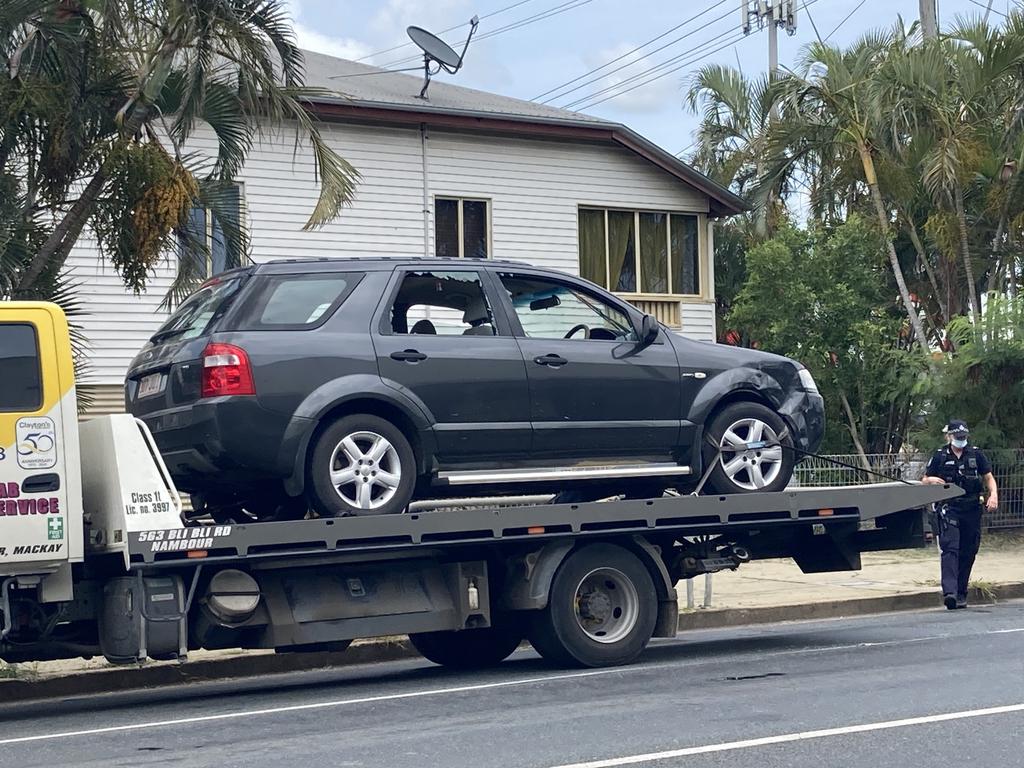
x=460, y=200
x=703, y=270
x=631, y=313
x=208, y=234
x=502, y=324
x=39, y=368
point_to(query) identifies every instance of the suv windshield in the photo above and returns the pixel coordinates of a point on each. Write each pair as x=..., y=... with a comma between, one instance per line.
x=193, y=317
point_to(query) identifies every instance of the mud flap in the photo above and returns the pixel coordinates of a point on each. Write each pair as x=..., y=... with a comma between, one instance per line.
x=899, y=530
x=821, y=549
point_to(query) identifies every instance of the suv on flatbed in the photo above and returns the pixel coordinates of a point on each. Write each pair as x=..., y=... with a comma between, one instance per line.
x=356, y=385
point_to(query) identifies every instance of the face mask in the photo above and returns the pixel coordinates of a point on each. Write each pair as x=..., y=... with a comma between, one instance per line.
x=959, y=443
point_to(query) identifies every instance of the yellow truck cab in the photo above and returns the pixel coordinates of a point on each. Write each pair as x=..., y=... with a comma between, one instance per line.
x=67, y=491
x=40, y=467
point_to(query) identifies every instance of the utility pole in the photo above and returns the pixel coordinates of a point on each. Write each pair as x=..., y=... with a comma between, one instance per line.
x=929, y=19
x=773, y=14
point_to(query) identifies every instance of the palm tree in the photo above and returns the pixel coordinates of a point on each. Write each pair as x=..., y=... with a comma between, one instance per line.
x=732, y=139
x=942, y=96
x=232, y=64
x=828, y=114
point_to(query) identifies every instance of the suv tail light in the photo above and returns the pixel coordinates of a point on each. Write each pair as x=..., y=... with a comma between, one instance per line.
x=226, y=371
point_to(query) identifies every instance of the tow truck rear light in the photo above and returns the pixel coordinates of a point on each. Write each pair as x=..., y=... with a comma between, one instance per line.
x=226, y=371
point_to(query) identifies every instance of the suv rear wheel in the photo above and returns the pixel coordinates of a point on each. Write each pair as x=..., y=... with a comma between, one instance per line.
x=361, y=465
x=754, y=450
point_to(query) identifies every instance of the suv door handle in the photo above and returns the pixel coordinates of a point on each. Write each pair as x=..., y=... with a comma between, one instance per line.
x=408, y=356
x=552, y=360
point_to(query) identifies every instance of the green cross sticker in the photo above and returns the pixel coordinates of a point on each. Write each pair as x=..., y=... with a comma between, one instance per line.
x=55, y=528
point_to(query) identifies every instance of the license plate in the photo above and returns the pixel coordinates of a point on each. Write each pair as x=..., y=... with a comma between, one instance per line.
x=151, y=385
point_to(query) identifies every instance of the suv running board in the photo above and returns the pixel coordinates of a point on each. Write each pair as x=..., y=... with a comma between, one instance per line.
x=546, y=474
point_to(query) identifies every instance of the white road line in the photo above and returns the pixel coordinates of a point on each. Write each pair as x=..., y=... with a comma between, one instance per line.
x=1004, y=631
x=468, y=688
x=729, y=746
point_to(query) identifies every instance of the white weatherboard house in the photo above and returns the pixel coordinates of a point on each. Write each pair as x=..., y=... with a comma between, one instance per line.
x=461, y=173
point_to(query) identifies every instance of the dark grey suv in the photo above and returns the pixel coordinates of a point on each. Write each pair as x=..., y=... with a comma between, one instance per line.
x=356, y=385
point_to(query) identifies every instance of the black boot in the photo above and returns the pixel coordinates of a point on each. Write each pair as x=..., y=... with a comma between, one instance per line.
x=949, y=601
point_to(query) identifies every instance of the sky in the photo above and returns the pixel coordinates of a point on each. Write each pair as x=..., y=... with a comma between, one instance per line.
x=563, y=40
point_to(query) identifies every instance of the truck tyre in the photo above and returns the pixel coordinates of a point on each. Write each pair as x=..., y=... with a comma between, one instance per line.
x=469, y=648
x=601, y=611
x=765, y=466
x=361, y=465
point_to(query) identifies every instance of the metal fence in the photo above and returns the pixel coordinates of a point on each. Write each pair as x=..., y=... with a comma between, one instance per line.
x=1007, y=466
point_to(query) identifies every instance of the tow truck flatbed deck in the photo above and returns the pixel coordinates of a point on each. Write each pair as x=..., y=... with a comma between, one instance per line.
x=678, y=516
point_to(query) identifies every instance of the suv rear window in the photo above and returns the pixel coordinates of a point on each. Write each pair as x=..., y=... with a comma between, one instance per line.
x=197, y=312
x=295, y=302
x=21, y=386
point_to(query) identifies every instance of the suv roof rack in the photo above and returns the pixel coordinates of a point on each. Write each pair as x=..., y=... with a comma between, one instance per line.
x=320, y=259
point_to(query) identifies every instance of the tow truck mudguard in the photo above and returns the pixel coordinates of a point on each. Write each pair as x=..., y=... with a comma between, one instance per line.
x=530, y=577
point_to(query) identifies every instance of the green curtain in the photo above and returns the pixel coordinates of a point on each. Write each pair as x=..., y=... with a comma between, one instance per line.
x=591, y=240
x=621, y=251
x=685, y=255
x=653, y=253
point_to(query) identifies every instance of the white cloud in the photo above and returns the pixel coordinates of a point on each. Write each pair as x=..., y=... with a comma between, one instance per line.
x=341, y=47
x=391, y=20
x=312, y=40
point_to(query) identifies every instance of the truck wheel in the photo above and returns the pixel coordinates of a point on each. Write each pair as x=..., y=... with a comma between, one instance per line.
x=601, y=609
x=469, y=648
x=751, y=458
x=361, y=465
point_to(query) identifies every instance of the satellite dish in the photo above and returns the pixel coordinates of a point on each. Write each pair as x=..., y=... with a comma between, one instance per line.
x=437, y=54
x=435, y=48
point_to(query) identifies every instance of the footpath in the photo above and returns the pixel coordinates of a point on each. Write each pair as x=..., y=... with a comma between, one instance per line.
x=765, y=591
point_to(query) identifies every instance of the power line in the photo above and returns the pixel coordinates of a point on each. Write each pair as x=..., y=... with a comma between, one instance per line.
x=627, y=53
x=687, y=148
x=990, y=8
x=556, y=10
x=840, y=24
x=588, y=102
x=732, y=41
x=644, y=73
x=656, y=50
x=443, y=31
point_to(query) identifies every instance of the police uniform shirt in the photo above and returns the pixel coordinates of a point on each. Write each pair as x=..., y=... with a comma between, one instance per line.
x=965, y=471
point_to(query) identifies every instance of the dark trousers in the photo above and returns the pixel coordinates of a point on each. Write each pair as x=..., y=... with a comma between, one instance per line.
x=959, y=543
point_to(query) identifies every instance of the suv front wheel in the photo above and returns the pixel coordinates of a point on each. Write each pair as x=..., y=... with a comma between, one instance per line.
x=361, y=465
x=751, y=450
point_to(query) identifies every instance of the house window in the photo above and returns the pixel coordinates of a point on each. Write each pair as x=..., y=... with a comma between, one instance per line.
x=204, y=229
x=640, y=252
x=461, y=228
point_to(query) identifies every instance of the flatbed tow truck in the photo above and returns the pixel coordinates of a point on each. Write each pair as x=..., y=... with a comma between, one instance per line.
x=97, y=559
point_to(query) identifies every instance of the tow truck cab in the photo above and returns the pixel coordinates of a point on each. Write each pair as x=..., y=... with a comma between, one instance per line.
x=41, y=520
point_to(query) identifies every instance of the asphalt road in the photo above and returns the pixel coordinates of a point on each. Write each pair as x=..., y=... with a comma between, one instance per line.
x=912, y=689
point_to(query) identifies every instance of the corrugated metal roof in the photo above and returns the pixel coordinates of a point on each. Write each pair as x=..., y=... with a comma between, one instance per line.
x=366, y=84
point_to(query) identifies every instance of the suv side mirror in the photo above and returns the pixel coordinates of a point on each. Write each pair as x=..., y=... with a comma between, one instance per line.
x=648, y=331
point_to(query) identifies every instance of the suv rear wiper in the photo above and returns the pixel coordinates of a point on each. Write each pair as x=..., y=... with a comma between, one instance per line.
x=159, y=336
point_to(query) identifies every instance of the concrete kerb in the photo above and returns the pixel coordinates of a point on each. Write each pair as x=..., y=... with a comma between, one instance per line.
x=392, y=649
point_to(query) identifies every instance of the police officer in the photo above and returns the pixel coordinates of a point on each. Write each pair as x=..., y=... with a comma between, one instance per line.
x=960, y=519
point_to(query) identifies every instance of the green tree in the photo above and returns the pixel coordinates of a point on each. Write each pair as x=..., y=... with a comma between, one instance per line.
x=940, y=97
x=829, y=115
x=983, y=383
x=97, y=106
x=819, y=295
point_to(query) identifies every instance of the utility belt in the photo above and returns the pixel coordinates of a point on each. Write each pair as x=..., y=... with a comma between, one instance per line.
x=951, y=513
